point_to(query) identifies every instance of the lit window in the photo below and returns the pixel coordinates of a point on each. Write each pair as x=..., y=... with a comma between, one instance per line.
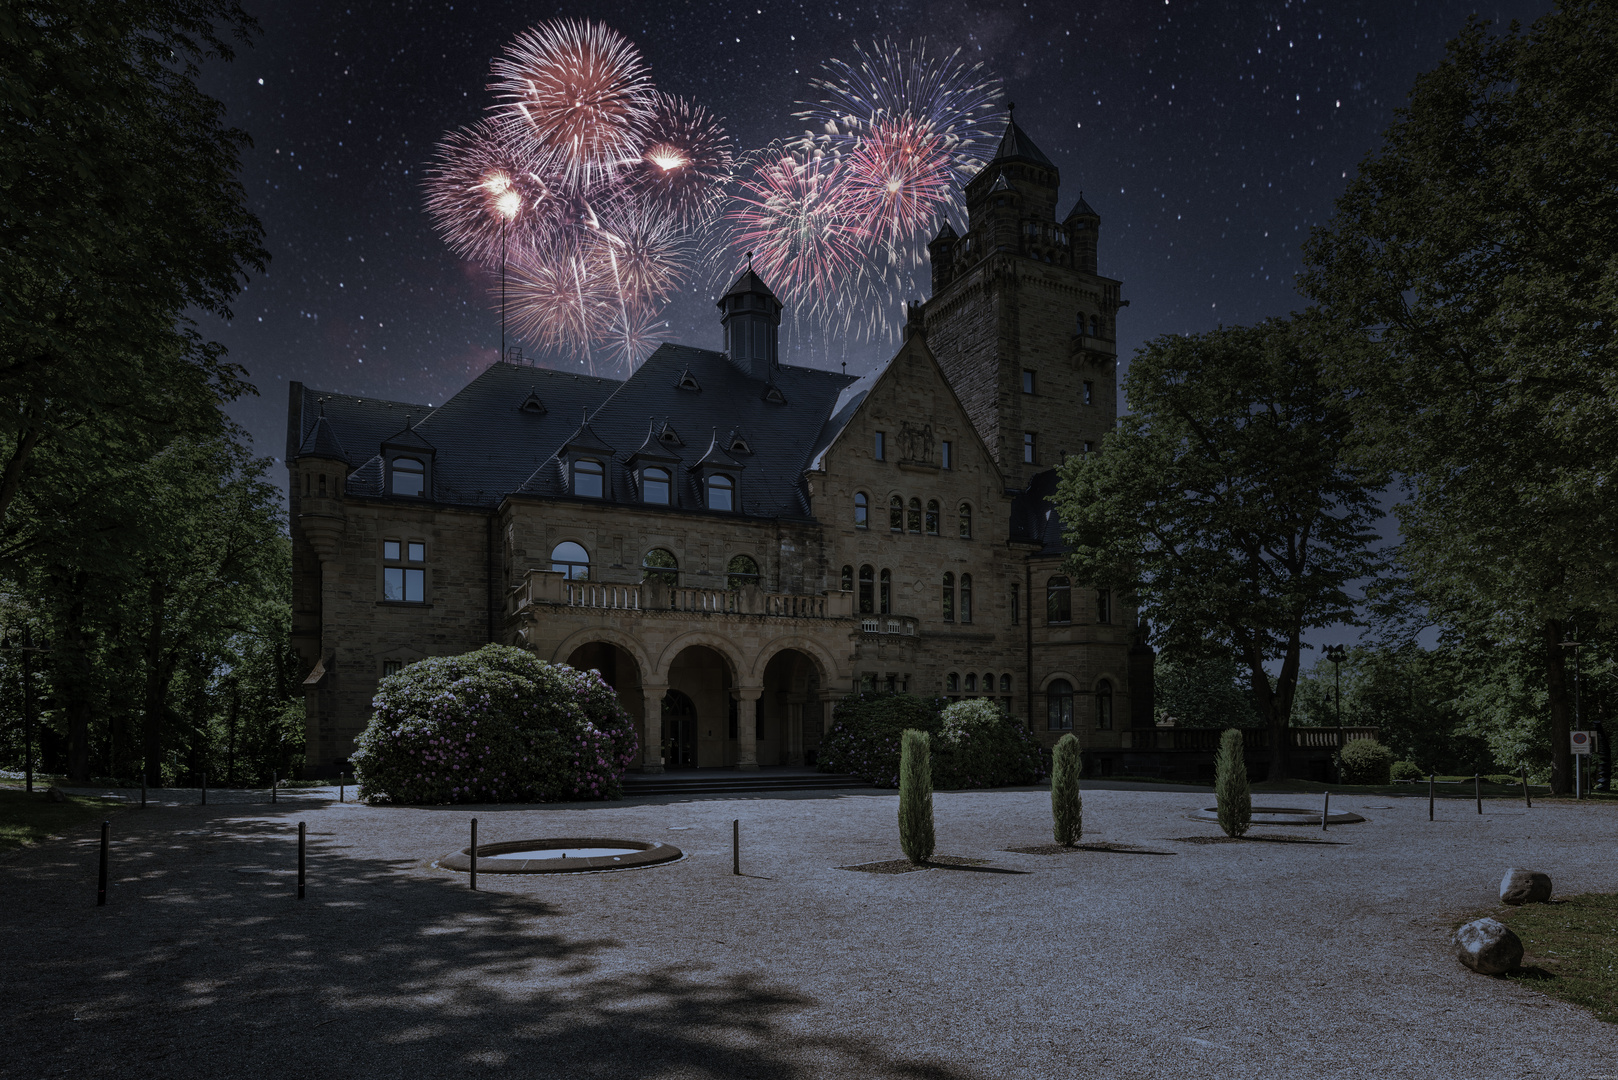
x=932, y=517
x=721, y=493
x=741, y=572
x=896, y=514
x=1059, y=698
x=1089, y=392
x=417, y=552
x=881, y=447
x=571, y=559
x=1104, y=706
x=966, y=598
x=1058, y=601
x=949, y=597
x=1028, y=447
x=409, y=477
x=390, y=550
x=966, y=521
x=885, y=592
x=404, y=584
x=1028, y=382
x=661, y=565
x=867, y=577
x=1103, y=605
x=946, y=454
x=862, y=510
x=654, y=486
x=915, y=515
x=588, y=478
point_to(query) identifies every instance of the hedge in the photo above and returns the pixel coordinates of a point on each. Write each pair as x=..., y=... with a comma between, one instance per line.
x=973, y=743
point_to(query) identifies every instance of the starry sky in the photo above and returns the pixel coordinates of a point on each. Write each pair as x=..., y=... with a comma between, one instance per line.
x=1210, y=136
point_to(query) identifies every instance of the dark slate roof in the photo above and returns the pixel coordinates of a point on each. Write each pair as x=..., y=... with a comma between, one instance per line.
x=1034, y=518
x=748, y=282
x=782, y=437
x=408, y=438
x=945, y=233
x=1081, y=209
x=358, y=424
x=484, y=443
x=1016, y=144
x=322, y=442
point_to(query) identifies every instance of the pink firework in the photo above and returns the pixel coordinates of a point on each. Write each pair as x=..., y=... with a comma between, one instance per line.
x=644, y=252
x=685, y=159
x=580, y=91
x=899, y=174
x=484, y=188
x=797, y=215
x=560, y=300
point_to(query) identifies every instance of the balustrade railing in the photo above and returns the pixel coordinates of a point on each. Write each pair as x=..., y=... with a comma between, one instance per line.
x=1207, y=739
x=552, y=588
x=901, y=625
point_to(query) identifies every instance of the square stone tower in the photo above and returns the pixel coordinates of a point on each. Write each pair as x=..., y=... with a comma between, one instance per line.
x=1021, y=322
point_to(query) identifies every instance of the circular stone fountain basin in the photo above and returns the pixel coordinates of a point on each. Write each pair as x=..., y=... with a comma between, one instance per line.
x=562, y=855
x=1282, y=815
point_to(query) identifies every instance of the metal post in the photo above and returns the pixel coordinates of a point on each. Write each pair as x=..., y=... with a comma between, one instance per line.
x=143, y=786
x=1325, y=811
x=341, y=789
x=274, y=781
x=1477, y=790
x=1578, y=775
x=1528, y=800
x=27, y=713
x=300, y=859
x=1432, y=779
x=736, y=847
x=205, y=788
x=101, y=881
x=473, y=852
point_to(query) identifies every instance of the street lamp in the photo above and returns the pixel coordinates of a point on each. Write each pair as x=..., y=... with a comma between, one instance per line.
x=1336, y=654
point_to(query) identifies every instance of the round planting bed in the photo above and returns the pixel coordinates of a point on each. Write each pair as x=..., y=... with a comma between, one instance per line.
x=1282, y=815
x=561, y=855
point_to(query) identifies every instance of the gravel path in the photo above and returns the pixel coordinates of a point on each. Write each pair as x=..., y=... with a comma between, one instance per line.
x=1217, y=960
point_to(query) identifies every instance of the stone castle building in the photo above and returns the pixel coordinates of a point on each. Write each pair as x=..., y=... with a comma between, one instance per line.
x=734, y=543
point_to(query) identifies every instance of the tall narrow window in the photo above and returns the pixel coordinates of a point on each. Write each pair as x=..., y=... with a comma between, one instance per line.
x=1027, y=382
x=1005, y=684
x=867, y=577
x=741, y=572
x=862, y=510
x=848, y=579
x=896, y=514
x=1095, y=326
x=1058, y=601
x=966, y=598
x=966, y=521
x=1104, y=706
x=1089, y=392
x=1016, y=606
x=1028, y=447
x=949, y=597
x=952, y=683
x=660, y=565
x=721, y=492
x=571, y=559
x=1059, y=705
x=654, y=486
x=946, y=455
x=881, y=446
x=885, y=592
x=409, y=477
x=588, y=478
x=404, y=582
x=971, y=682
x=932, y=517
x=914, y=518
x=1103, y=605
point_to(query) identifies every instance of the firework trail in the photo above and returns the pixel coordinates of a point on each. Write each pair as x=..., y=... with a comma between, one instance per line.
x=482, y=184
x=685, y=161
x=795, y=213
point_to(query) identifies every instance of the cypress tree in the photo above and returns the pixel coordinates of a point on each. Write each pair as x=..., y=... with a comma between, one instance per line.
x=915, y=796
x=1067, y=801
x=1234, y=797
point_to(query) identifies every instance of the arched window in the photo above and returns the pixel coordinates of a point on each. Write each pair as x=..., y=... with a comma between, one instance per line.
x=971, y=682
x=932, y=517
x=721, y=492
x=949, y=597
x=966, y=521
x=862, y=510
x=589, y=478
x=1103, y=605
x=1104, y=706
x=952, y=683
x=654, y=485
x=915, y=515
x=866, y=578
x=741, y=572
x=966, y=597
x=571, y=559
x=988, y=682
x=1005, y=684
x=660, y=564
x=1095, y=326
x=848, y=579
x=1058, y=601
x=885, y=594
x=409, y=477
x=896, y=514
x=1059, y=705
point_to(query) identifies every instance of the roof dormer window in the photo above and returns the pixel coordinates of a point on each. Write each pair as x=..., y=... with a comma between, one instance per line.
x=654, y=485
x=589, y=478
x=409, y=478
x=532, y=405
x=687, y=381
x=670, y=436
x=738, y=444
x=721, y=492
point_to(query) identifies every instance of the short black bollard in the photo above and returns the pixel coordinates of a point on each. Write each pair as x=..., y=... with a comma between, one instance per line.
x=736, y=847
x=1325, y=811
x=1432, y=778
x=143, y=790
x=300, y=860
x=101, y=881
x=341, y=790
x=473, y=853
x=1528, y=800
x=1477, y=790
x=204, y=789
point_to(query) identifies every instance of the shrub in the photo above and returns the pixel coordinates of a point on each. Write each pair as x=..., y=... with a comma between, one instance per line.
x=1365, y=761
x=915, y=797
x=1405, y=770
x=975, y=744
x=494, y=725
x=1231, y=793
x=1067, y=800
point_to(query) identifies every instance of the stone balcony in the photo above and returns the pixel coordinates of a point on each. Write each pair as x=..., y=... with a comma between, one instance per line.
x=549, y=591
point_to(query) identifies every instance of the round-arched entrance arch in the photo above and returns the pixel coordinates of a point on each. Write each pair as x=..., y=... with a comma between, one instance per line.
x=679, y=731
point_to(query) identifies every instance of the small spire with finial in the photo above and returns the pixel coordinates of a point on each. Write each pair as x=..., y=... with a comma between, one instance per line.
x=749, y=262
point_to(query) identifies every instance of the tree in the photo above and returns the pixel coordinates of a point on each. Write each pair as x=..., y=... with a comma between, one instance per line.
x=1228, y=503
x=1213, y=692
x=1067, y=797
x=1233, y=799
x=1475, y=256
x=120, y=213
x=915, y=797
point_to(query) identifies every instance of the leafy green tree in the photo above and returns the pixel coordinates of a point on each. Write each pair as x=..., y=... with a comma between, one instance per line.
x=1067, y=797
x=1228, y=502
x=1232, y=796
x=120, y=214
x=1472, y=267
x=1212, y=692
x=915, y=797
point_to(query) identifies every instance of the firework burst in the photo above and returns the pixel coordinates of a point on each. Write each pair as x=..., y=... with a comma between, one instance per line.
x=685, y=161
x=797, y=216
x=482, y=184
x=578, y=90
x=560, y=300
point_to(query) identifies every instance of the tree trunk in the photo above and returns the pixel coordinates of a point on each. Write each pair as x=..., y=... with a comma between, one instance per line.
x=156, y=689
x=1269, y=707
x=74, y=688
x=1556, y=687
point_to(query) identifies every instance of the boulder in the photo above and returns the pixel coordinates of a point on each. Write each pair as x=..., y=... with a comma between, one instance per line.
x=1524, y=887
x=1488, y=947
x=55, y=794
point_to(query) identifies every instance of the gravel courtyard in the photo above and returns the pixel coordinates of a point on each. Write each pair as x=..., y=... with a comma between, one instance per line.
x=1263, y=959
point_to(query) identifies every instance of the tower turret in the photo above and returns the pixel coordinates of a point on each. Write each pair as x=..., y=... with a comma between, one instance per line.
x=752, y=320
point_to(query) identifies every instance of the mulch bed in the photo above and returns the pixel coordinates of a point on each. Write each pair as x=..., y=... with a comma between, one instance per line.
x=1102, y=845
x=1264, y=838
x=905, y=866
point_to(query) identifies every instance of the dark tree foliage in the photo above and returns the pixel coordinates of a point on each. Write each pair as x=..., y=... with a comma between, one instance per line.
x=1475, y=256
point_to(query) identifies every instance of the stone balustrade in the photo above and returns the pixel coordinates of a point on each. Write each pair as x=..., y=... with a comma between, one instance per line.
x=542, y=589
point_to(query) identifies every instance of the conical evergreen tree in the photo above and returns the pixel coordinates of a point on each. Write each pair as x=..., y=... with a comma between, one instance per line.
x=915, y=796
x=1234, y=797
x=1067, y=801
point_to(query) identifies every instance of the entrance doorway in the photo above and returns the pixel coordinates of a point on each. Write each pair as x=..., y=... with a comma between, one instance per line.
x=679, y=731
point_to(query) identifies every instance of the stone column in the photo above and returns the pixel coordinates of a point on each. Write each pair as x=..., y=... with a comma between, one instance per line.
x=747, y=725
x=651, y=729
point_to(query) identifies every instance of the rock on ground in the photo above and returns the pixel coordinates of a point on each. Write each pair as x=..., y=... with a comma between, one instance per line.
x=1524, y=887
x=1488, y=947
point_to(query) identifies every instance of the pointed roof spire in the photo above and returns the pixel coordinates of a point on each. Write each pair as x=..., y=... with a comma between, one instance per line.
x=1015, y=143
x=716, y=456
x=322, y=441
x=1081, y=209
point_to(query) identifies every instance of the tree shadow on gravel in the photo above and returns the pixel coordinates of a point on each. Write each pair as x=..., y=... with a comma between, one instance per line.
x=197, y=968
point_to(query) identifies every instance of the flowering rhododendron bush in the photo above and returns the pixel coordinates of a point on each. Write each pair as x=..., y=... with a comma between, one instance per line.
x=495, y=725
x=974, y=743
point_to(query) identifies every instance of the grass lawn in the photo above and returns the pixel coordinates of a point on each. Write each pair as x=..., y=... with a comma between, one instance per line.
x=27, y=819
x=1571, y=950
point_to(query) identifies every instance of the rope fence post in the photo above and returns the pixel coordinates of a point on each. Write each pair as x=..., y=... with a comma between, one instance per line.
x=341, y=787
x=204, y=789
x=1325, y=811
x=1477, y=790
x=143, y=787
x=473, y=852
x=300, y=859
x=101, y=878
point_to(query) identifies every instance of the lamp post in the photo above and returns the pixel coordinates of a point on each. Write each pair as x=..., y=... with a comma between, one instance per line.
x=1336, y=654
x=28, y=649
x=1578, y=680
